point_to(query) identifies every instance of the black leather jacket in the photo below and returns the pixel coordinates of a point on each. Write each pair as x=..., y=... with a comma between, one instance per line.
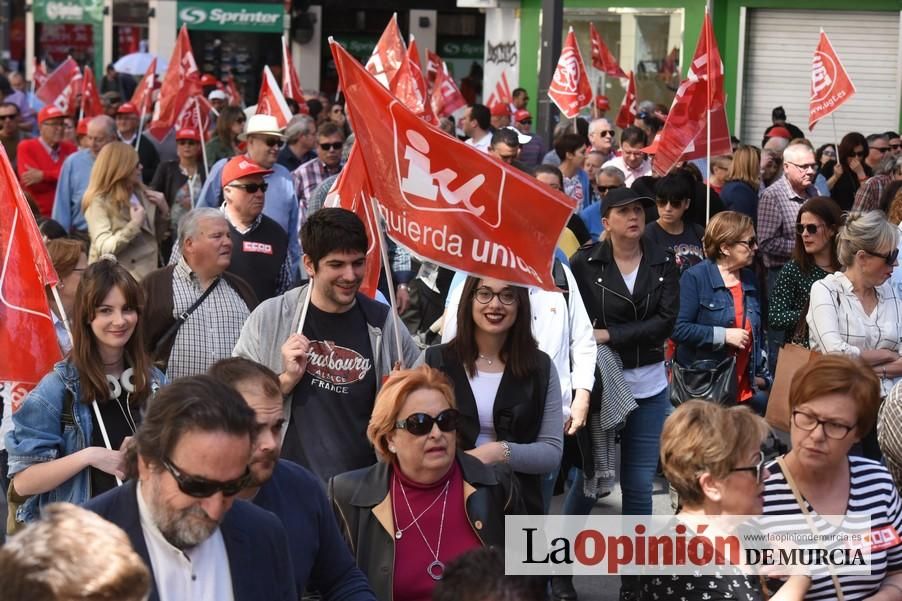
x=362, y=506
x=639, y=323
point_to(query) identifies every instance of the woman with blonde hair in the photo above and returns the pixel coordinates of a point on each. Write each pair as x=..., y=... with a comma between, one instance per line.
x=124, y=218
x=740, y=192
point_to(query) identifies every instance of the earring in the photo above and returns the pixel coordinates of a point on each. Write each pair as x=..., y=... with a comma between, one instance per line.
x=392, y=448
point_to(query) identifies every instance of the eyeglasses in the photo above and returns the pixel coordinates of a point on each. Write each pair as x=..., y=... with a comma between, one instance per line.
x=751, y=242
x=420, y=424
x=676, y=203
x=809, y=423
x=8, y=117
x=805, y=167
x=526, y=122
x=201, y=488
x=811, y=228
x=485, y=295
x=889, y=258
x=272, y=142
x=882, y=150
x=606, y=133
x=895, y=146
x=251, y=188
x=606, y=189
x=757, y=469
x=332, y=146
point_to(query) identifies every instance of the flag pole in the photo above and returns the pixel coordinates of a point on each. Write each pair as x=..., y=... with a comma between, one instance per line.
x=708, y=167
x=65, y=319
x=140, y=126
x=306, y=305
x=709, y=96
x=389, y=280
x=200, y=129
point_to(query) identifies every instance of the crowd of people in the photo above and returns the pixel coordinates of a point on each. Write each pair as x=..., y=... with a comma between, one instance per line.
x=229, y=398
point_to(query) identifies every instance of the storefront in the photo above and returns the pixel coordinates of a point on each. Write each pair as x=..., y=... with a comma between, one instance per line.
x=68, y=27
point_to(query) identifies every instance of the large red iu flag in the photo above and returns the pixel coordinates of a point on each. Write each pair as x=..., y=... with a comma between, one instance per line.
x=27, y=337
x=830, y=84
x=445, y=200
x=570, y=88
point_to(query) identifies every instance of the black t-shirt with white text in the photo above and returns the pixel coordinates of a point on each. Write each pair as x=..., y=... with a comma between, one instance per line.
x=332, y=404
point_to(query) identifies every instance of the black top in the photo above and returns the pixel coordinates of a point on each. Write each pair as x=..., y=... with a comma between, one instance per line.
x=258, y=256
x=118, y=418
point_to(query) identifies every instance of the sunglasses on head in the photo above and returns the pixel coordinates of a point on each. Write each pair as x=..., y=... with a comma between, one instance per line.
x=201, y=488
x=420, y=424
x=332, y=146
x=251, y=188
x=811, y=228
x=889, y=258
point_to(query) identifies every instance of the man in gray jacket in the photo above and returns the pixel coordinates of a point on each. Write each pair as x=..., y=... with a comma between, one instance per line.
x=331, y=366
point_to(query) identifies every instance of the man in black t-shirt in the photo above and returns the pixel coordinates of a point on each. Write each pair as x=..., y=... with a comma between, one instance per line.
x=331, y=370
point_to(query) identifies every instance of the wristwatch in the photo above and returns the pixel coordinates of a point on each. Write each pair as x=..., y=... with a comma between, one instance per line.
x=507, y=451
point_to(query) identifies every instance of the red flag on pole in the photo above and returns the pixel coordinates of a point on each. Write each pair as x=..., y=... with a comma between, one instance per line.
x=410, y=88
x=831, y=86
x=143, y=96
x=291, y=84
x=685, y=135
x=90, y=99
x=231, y=92
x=182, y=80
x=388, y=55
x=570, y=88
x=630, y=107
x=445, y=200
x=416, y=69
x=352, y=191
x=602, y=58
x=62, y=87
x=445, y=97
x=270, y=101
x=27, y=335
x=40, y=73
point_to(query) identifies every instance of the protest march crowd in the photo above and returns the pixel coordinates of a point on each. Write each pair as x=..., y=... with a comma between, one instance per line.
x=266, y=357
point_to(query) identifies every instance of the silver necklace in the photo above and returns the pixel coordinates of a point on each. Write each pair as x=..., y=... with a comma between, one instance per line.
x=400, y=531
x=486, y=359
x=436, y=569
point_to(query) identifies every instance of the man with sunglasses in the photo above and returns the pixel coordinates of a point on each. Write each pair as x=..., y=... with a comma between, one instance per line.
x=531, y=152
x=878, y=147
x=189, y=462
x=40, y=159
x=10, y=134
x=895, y=143
x=606, y=179
x=329, y=142
x=601, y=137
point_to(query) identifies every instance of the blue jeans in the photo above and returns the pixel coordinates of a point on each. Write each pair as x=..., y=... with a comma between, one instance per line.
x=575, y=502
x=640, y=443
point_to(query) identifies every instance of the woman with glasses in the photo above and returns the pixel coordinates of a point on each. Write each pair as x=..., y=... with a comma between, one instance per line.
x=740, y=192
x=673, y=194
x=814, y=258
x=224, y=144
x=834, y=401
x=67, y=438
x=712, y=457
x=720, y=308
x=506, y=389
x=851, y=170
x=124, y=218
x=425, y=502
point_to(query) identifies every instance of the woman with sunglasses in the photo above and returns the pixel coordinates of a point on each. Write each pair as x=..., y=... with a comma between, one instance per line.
x=851, y=170
x=125, y=219
x=712, y=457
x=506, y=389
x=834, y=402
x=425, y=503
x=229, y=126
x=63, y=447
x=814, y=258
x=673, y=194
x=720, y=308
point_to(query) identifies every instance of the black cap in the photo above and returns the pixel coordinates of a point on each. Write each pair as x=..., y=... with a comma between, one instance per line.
x=623, y=196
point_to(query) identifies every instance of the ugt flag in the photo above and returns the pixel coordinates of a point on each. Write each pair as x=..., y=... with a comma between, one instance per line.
x=830, y=84
x=570, y=89
x=445, y=200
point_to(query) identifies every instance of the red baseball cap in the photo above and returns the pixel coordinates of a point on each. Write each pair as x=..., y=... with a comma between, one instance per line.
x=208, y=80
x=522, y=115
x=239, y=167
x=779, y=132
x=187, y=133
x=82, y=128
x=602, y=103
x=500, y=109
x=50, y=112
x=127, y=108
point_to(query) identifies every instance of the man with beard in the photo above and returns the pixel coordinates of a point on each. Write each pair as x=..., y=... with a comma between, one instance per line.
x=331, y=366
x=190, y=456
x=321, y=558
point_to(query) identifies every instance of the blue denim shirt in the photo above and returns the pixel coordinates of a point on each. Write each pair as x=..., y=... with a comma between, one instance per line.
x=706, y=311
x=38, y=435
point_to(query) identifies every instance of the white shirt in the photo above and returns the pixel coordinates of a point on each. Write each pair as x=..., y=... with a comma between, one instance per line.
x=631, y=174
x=201, y=573
x=483, y=144
x=648, y=380
x=485, y=390
x=562, y=329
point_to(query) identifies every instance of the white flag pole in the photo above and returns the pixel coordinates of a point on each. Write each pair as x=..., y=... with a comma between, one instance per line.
x=200, y=129
x=306, y=306
x=140, y=126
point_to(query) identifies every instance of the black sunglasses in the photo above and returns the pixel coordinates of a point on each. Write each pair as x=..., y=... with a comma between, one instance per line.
x=420, y=424
x=332, y=146
x=811, y=228
x=606, y=189
x=889, y=258
x=750, y=243
x=757, y=469
x=273, y=142
x=251, y=188
x=8, y=117
x=895, y=146
x=201, y=488
x=526, y=122
x=607, y=132
x=880, y=150
x=674, y=202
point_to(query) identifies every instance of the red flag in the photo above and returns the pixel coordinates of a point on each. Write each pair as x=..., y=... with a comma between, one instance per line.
x=143, y=96
x=416, y=69
x=445, y=200
x=231, y=91
x=291, y=85
x=685, y=132
x=90, y=99
x=27, y=335
x=195, y=114
x=570, y=89
x=62, y=87
x=602, y=58
x=630, y=107
x=182, y=80
x=270, y=101
x=40, y=73
x=444, y=96
x=388, y=55
x=410, y=88
x=352, y=191
x=502, y=93
x=831, y=86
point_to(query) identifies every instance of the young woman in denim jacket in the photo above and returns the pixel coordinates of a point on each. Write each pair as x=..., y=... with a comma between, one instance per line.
x=56, y=450
x=710, y=323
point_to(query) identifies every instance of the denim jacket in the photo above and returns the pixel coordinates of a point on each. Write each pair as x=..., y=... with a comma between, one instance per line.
x=38, y=435
x=706, y=311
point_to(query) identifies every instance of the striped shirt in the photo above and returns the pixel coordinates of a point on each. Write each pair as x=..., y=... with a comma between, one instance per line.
x=871, y=492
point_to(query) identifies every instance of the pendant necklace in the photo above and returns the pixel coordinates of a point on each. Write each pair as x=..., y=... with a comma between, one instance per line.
x=400, y=531
x=486, y=359
x=436, y=569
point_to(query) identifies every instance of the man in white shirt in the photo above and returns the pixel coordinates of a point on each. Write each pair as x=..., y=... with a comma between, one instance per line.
x=190, y=456
x=633, y=161
x=476, y=125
